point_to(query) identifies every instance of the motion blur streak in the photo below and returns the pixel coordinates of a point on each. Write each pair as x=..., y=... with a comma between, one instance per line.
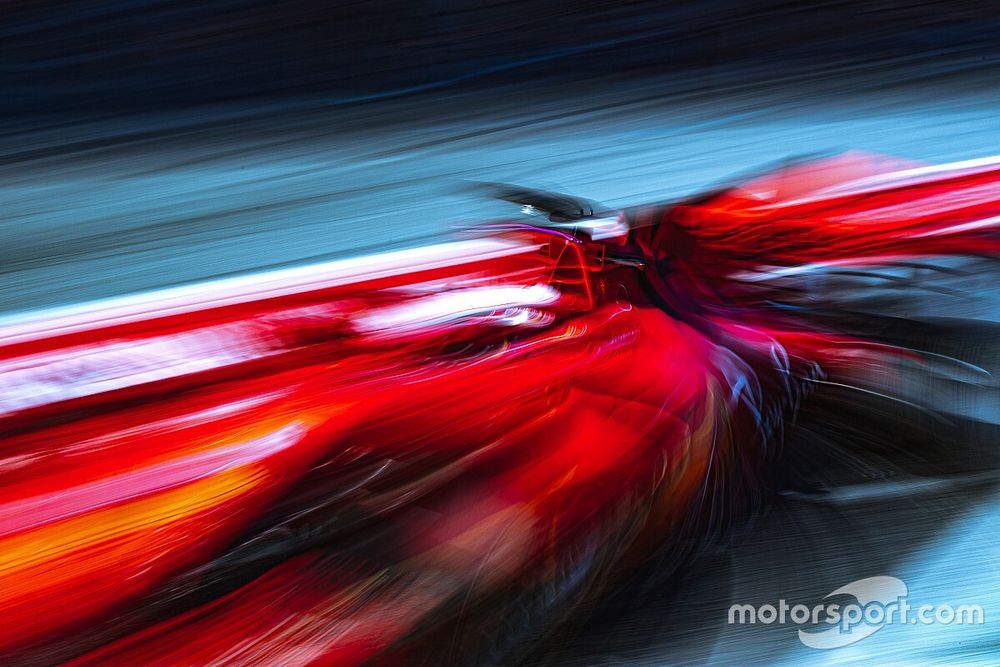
x=439, y=454
x=286, y=378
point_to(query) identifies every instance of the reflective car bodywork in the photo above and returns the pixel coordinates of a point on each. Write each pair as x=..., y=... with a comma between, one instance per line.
x=384, y=458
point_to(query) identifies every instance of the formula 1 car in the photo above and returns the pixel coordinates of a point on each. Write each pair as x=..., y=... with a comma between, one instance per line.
x=435, y=455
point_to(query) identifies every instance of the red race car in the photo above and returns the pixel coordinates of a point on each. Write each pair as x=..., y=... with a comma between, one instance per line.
x=430, y=454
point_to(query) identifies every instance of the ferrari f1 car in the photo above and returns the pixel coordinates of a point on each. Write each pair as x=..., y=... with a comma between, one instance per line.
x=434, y=455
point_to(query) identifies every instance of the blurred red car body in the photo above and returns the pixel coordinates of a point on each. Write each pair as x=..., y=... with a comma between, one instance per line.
x=350, y=461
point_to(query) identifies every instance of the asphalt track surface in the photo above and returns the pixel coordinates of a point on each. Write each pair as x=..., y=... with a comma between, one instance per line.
x=105, y=206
